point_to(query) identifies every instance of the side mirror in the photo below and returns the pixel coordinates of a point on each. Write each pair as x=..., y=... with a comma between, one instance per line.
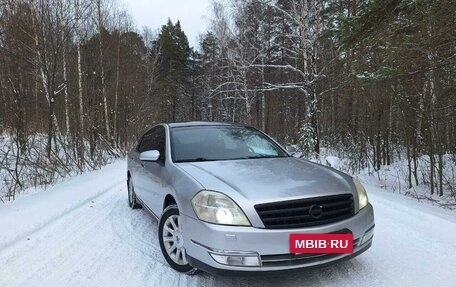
x=293, y=151
x=290, y=149
x=149, y=155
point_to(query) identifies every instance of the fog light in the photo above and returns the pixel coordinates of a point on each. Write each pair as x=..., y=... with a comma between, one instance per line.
x=367, y=236
x=236, y=260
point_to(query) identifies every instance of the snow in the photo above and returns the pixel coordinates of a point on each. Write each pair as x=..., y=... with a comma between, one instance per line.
x=35, y=171
x=81, y=232
x=34, y=211
x=393, y=177
x=333, y=161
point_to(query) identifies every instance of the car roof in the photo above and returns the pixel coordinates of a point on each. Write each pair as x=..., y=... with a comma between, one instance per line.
x=200, y=123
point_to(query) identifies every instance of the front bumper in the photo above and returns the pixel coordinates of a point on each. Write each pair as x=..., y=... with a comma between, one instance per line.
x=270, y=245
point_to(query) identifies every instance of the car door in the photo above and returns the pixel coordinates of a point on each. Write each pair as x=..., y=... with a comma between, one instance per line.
x=139, y=175
x=154, y=172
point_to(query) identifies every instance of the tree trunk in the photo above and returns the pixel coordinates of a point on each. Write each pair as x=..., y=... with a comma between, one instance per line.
x=65, y=88
x=116, y=98
x=80, y=92
x=47, y=85
x=103, y=87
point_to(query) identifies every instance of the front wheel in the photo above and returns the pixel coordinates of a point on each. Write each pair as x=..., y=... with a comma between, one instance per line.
x=132, y=200
x=172, y=240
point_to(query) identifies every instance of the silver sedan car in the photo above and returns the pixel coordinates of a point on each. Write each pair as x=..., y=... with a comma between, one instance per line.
x=228, y=197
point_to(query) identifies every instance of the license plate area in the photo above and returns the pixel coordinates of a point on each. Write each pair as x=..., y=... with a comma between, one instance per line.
x=321, y=243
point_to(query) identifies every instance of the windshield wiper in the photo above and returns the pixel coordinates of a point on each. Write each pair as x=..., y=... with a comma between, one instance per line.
x=195, y=159
x=258, y=156
x=263, y=156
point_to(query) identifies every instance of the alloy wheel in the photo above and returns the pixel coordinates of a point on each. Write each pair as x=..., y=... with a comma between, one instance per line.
x=173, y=240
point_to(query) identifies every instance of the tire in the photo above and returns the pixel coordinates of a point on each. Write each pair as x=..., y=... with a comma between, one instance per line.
x=173, y=248
x=132, y=200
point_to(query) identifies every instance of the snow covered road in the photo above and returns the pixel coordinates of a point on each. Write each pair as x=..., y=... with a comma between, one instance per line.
x=82, y=233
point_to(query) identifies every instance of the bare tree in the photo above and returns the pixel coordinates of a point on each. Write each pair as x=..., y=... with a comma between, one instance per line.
x=102, y=76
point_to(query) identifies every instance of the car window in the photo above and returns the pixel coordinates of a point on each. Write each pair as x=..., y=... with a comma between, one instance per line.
x=154, y=139
x=260, y=146
x=203, y=143
x=145, y=141
x=159, y=141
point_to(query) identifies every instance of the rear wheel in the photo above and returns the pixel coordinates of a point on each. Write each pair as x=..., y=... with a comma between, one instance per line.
x=172, y=240
x=132, y=200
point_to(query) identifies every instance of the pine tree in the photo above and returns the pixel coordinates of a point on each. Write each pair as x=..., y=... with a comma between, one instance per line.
x=173, y=52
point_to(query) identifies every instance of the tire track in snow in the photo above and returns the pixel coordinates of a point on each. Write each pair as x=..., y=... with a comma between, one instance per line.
x=50, y=220
x=111, y=245
x=49, y=246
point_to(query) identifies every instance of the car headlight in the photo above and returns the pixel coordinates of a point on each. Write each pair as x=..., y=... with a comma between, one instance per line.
x=362, y=195
x=215, y=207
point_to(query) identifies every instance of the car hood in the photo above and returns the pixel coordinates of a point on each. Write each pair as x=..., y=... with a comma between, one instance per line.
x=269, y=179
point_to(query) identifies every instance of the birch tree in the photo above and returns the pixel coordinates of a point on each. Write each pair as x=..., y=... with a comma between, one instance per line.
x=102, y=76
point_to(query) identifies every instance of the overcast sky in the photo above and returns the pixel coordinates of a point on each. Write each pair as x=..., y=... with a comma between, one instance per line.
x=154, y=13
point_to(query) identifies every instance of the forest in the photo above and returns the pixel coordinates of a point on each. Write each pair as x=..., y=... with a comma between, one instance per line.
x=373, y=82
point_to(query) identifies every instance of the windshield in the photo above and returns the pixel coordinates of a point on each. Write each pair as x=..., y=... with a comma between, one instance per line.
x=208, y=143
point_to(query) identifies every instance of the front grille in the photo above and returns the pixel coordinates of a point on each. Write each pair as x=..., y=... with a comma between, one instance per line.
x=296, y=213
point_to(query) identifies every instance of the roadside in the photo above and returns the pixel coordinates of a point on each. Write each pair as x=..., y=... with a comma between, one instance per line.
x=81, y=232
